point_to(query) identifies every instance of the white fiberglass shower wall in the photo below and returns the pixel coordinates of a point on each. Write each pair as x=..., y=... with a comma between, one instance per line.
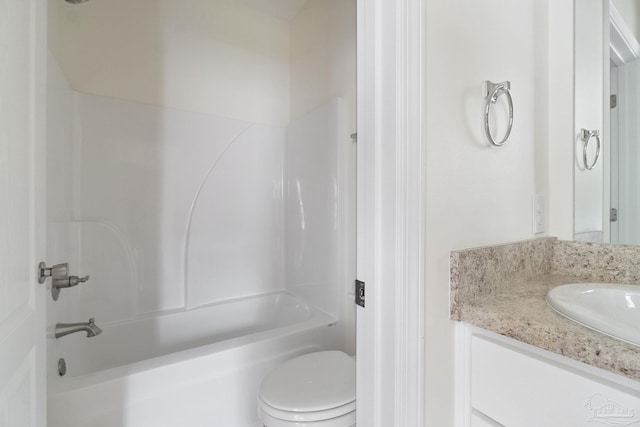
x=199, y=153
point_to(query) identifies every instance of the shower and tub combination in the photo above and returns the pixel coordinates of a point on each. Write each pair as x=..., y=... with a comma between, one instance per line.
x=206, y=370
x=218, y=246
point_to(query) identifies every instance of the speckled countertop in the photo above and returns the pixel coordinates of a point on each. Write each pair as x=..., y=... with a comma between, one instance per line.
x=517, y=308
x=523, y=314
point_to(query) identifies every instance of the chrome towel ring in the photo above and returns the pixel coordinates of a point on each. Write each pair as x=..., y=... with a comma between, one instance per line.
x=493, y=92
x=586, y=137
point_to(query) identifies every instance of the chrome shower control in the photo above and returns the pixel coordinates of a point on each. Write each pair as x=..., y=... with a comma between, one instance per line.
x=59, y=274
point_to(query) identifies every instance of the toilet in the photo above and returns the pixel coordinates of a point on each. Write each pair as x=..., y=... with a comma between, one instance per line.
x=313, y=390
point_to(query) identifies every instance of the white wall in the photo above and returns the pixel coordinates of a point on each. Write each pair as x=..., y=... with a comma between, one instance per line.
x=477, y=194
x=589, y=114
x=323, y=51
x=220, y=57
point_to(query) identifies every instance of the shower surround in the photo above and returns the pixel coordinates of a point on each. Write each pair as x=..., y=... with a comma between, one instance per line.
x=175, y=210
x=172, y=212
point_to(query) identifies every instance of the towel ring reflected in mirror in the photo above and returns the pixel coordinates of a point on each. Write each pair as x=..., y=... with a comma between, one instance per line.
x=586, y=136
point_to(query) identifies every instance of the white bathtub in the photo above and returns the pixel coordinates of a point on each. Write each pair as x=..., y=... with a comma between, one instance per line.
x=196, y=368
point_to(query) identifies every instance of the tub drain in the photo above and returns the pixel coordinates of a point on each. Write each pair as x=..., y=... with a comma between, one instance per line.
x=62, y=367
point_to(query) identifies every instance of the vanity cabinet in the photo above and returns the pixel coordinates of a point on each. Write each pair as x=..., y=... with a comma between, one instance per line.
x=508, y=383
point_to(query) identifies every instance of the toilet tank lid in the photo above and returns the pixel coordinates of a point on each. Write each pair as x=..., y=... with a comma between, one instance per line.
x=311, y=382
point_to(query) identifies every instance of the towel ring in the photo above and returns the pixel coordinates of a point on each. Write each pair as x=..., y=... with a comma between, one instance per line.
x=586, y=137
x=493, y=92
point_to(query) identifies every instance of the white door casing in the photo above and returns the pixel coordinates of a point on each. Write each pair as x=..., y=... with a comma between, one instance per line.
x=22, y=124
x=391, y=213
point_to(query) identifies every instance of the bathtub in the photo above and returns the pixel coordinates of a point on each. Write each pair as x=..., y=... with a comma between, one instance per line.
x=193, y=368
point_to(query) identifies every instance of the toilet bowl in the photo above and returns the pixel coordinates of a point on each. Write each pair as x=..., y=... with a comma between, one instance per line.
x=313, y=390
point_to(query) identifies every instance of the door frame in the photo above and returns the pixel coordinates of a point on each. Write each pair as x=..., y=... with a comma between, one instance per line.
x=391, y=236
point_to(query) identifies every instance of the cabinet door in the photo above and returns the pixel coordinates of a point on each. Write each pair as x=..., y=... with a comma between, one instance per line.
x=522, y=390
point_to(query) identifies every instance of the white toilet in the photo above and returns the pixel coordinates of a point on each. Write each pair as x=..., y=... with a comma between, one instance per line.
x=313, y=390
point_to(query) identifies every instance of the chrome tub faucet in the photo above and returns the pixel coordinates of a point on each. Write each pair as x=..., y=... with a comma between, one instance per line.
x=90, y=328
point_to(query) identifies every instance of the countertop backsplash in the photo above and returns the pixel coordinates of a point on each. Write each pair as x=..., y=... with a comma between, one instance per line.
x=483, y=271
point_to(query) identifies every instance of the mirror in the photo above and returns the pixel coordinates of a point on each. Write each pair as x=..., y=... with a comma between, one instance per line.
x=607, y=121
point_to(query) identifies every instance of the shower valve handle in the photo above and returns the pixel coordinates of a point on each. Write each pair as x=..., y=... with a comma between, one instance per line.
x=68, y=282
x=60, y=278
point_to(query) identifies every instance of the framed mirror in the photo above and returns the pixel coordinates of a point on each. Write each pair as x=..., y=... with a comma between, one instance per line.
x=607, y=121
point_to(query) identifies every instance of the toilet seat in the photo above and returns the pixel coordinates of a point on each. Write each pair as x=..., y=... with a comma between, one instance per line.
x=315, y=389
x=307, y=416
x=346, y=420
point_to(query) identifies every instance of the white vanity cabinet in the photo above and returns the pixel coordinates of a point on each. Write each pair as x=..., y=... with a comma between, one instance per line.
x=508, y=383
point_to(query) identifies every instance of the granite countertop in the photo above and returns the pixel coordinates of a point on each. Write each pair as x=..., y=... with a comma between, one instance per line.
x=521, y=312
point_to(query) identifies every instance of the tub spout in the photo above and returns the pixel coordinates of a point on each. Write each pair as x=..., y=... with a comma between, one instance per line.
x=90, y=328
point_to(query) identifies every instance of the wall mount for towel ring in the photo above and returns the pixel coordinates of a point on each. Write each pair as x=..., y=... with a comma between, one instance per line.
x=586, y=136
x=492, y=92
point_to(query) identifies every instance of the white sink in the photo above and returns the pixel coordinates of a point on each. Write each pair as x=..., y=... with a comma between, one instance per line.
x=612, y=309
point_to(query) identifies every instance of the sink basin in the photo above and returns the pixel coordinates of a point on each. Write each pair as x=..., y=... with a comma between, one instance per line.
x=612, y=309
